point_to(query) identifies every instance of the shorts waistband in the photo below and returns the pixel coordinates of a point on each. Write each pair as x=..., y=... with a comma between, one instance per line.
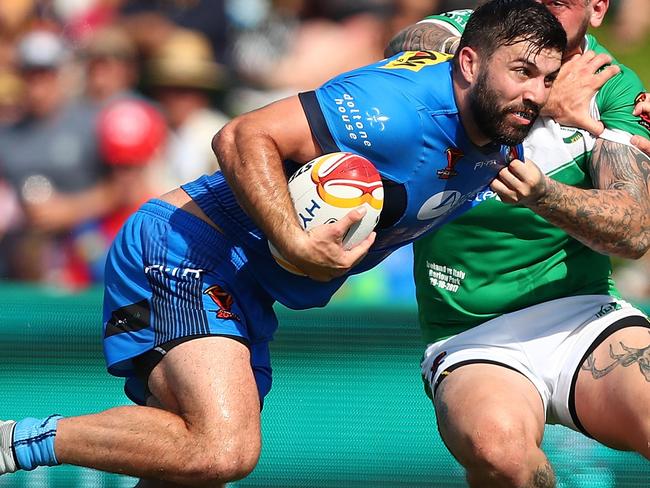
x=212, y=241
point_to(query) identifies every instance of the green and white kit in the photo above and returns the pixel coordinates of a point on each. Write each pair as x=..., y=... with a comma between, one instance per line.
x=502, y=285
x=499, y=258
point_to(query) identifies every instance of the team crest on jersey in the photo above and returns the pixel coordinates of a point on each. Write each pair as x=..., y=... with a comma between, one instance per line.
x=645, y=118
x=453, y=156
x=224, y=301
x=575, y=136
x=416, y=60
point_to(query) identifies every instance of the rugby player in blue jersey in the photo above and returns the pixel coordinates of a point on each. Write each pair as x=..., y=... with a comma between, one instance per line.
x=190, y=281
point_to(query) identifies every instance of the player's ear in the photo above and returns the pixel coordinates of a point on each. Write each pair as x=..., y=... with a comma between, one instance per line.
x=468, y=63
x=598, y=11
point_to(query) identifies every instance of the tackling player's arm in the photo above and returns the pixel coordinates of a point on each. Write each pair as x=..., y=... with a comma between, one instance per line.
x=579, y=80
x=423, y=36
x=250, y=150
x=612, y=219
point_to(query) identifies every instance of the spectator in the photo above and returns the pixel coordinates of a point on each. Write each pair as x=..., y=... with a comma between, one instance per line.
x=49, y=152
x=153, y=20
x=12, y=89
x=183, y=75
x=110, y=62
x=301, y=45
x=131, y=134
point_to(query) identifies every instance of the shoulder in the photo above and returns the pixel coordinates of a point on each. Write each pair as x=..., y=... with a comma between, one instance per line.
x=415, y=76
x=454, y=20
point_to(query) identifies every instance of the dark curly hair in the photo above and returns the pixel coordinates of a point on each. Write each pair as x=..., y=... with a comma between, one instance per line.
x=500, y=23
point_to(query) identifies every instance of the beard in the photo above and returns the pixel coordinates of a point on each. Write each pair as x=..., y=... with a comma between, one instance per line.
x=492, y=117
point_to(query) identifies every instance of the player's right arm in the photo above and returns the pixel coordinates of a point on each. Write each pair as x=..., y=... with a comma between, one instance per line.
x=613, y=218
x=251, y=150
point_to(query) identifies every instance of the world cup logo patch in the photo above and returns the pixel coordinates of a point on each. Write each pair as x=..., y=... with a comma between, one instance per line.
x=224, y=301
x=453, y=156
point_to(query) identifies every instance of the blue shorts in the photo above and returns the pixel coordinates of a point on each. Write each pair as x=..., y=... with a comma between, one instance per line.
x=172, y=277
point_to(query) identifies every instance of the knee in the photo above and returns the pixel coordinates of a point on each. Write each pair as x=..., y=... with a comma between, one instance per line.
x=216, y=464
x=502, y=452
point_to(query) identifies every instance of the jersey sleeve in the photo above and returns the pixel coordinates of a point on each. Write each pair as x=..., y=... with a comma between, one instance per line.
x=366, y=113
x=454, y=20
x=616, y=99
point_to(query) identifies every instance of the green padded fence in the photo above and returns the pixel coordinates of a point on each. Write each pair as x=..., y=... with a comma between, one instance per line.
x=346, y=409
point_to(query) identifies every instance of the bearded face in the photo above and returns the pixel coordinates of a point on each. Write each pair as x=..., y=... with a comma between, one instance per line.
x=495, y=117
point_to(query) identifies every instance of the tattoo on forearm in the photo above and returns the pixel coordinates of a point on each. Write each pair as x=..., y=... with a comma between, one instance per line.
x=543, y=477
x=627, y=358
x=422, y=37
x=614, y=218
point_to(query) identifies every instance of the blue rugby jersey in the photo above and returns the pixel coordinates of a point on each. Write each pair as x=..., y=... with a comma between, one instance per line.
x=399, y=113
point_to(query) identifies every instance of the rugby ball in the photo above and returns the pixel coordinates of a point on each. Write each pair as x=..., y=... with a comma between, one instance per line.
x=325, y=189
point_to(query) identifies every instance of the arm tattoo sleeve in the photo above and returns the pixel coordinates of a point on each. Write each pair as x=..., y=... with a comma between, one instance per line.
x=422, y=37
x=613, y=218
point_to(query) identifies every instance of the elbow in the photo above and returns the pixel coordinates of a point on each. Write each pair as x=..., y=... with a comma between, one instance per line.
x=635, y=248
x=222, y=141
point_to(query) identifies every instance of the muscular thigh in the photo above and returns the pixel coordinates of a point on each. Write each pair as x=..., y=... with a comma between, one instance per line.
x=486, y=399
x=612, y=391
x=210, y=383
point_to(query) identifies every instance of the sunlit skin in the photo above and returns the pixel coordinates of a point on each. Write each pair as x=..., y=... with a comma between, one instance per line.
x=518, y=81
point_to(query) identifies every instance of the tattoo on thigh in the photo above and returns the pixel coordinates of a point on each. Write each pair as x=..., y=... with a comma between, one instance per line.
x=628, y=357
x=543, y=477
x=442, y=409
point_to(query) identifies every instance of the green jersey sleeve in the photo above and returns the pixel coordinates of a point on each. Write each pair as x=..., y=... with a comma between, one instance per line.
x=616, y=99
x=454, y=20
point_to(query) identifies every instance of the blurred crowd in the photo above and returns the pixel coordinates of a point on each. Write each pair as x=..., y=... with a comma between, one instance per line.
x=106, y=103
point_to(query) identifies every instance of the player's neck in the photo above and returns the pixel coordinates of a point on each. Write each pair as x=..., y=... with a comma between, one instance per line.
x=579, y=49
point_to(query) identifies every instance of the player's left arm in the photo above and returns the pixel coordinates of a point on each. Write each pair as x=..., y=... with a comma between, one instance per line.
x=613, y=218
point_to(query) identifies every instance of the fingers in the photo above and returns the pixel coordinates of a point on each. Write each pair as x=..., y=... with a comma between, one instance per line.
x=595, y=127
x=519, y=182
x=607, y=73
x=506, y=194
x=594, y=62
x=349, y=219
x=642, y=143
x=357, y=253
x=590, y=63
x=327, y=258
x=643, y=105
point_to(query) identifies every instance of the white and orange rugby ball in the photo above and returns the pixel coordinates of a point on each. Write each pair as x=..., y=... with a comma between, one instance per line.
x=325, y=189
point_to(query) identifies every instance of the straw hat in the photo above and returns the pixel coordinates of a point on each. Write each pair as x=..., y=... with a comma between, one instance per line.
x=185, y=60
x=110, y=42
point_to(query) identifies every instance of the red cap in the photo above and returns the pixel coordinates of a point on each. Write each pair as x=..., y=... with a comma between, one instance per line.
x=130, y=132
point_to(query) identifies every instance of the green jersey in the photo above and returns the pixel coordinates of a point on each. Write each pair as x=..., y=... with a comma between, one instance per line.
x=498, y=258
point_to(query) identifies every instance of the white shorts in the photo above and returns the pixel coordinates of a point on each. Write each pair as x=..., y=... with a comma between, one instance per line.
x=547, y=343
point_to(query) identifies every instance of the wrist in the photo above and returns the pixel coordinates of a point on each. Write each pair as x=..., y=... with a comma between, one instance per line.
x=548, y=190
